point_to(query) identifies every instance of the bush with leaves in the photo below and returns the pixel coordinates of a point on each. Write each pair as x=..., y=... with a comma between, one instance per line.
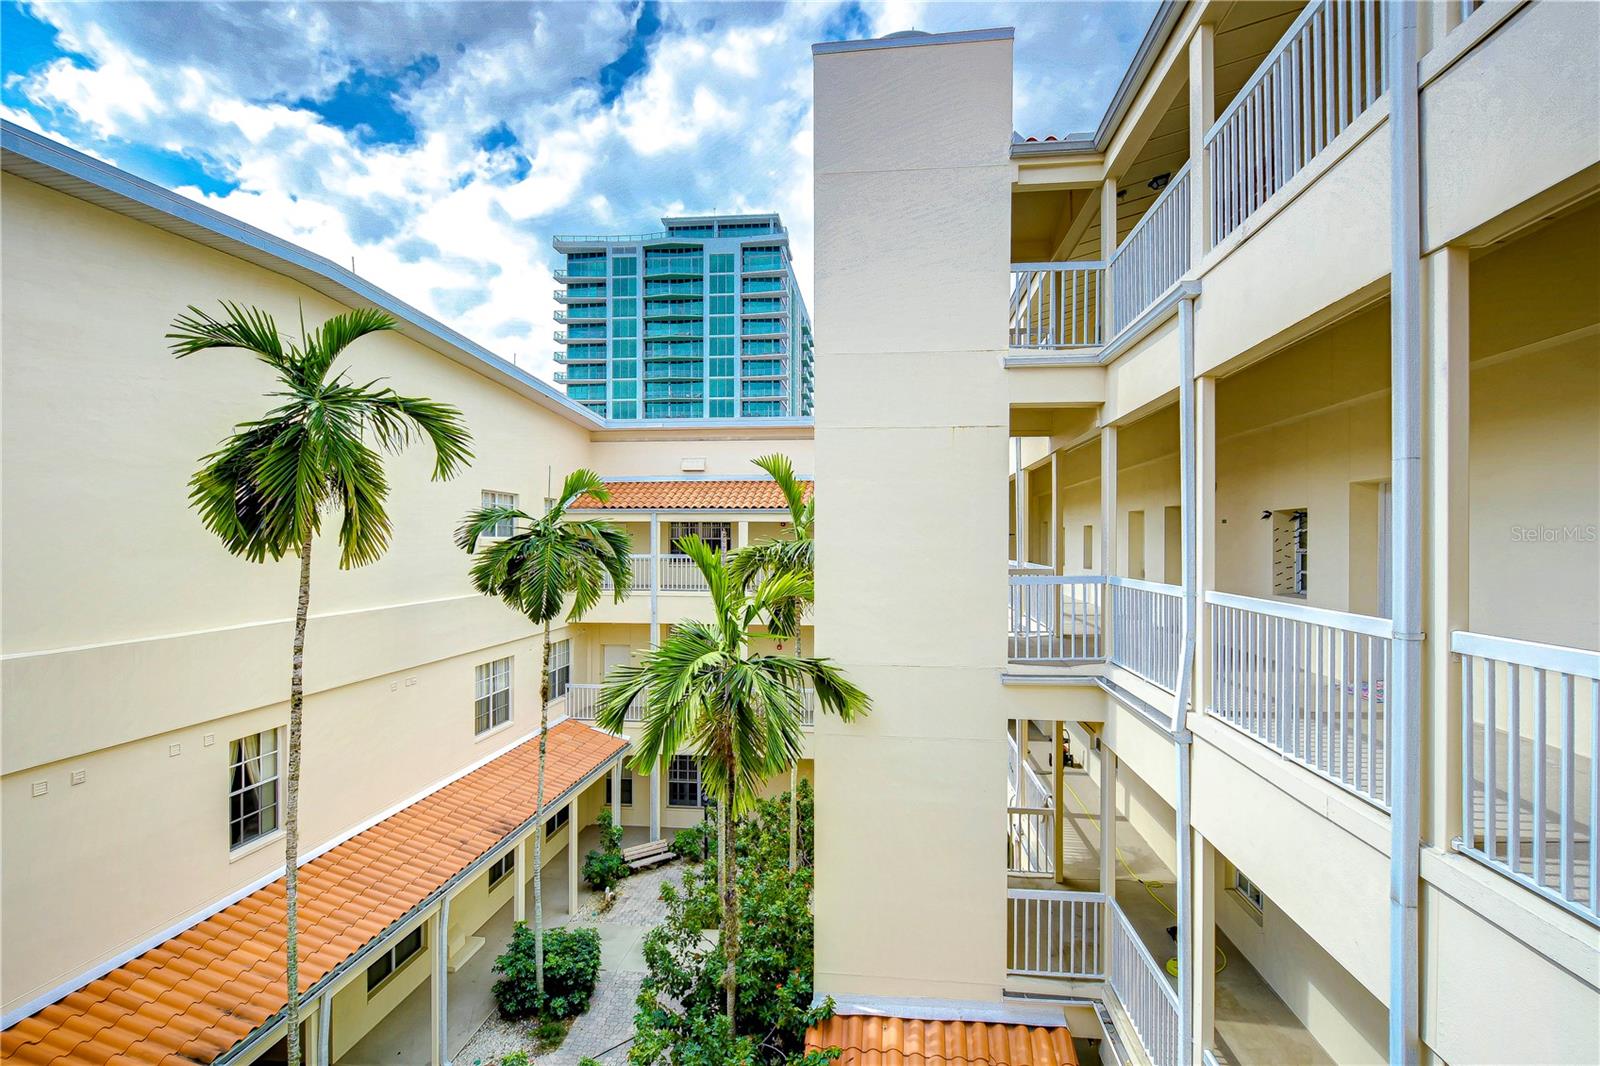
x=605, y=866
x=680, y=1021
x=571, y=968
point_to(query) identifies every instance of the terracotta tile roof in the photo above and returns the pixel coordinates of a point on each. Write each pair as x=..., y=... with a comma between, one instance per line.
x=878, y=1041
x=197, y=995
x=691, y=495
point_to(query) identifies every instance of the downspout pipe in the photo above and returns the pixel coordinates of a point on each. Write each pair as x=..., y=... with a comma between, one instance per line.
x=1405, y=590
x=1188, y=456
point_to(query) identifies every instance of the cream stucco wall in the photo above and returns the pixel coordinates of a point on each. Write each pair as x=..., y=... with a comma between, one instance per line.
x=135, y=648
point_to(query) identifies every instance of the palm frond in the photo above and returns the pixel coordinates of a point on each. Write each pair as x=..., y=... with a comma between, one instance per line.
x=328, y=341
x=580, y=483
x=248, y=328
x=780, y=469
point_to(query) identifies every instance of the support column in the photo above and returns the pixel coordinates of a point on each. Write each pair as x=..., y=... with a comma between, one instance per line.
x=439, y=935
x=1108, y=833
x=1108, y=533
x=519, y=874
x=1202, y=114
x=572, y=857
x=1055, y=514
x=325, y=1028
x=655, y=799
x=1108, y=248
x=655, y=579
x=1020, y=488
x=1204, y=943
x=741, y=534
x=1205, y=528
x=616, y=792
x=1058, y=762
x=1445, y=579
x=1019, y=728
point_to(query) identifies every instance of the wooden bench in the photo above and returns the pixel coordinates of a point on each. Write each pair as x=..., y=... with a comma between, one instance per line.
x=643, y=856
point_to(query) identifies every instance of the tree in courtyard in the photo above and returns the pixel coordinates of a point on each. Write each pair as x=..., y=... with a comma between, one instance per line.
x=795, y=554
x=704, y=690
x=320, y=451
x=542, y=564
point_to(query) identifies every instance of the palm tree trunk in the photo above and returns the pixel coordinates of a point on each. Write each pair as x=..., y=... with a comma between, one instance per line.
x=730, y=901
x=291, y=806
x=538, y=819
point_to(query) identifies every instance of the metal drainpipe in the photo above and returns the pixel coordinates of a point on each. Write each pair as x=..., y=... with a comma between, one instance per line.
x=325, y=1029
x=1405, y=695
x=1181, y=734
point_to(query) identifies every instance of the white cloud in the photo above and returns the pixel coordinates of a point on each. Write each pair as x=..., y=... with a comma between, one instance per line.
x=718, y=118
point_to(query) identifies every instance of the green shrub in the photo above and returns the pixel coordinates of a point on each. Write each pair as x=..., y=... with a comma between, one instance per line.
x=550, y=1034
x=571, y=968
x=514, y=1058
x=695, y=843
x=605, y=866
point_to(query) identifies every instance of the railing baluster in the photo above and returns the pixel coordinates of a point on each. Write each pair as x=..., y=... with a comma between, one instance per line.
x=1489, y=715
x=1569, y=747
x=1513, y=766
x=1540, y=740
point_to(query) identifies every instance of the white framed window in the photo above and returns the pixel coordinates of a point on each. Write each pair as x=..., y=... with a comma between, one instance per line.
x=553, y=824
x=717, y=535
x=1248, y=891
x=502, y=867
x=491, y=704
x=504, y=528
x=683, y=782
x=388, y=964
x=253, y=788
x=627, y=788
x=1290, y=541
x=560, y=668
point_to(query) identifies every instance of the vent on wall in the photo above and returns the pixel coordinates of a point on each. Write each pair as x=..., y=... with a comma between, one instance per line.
x=694, y=465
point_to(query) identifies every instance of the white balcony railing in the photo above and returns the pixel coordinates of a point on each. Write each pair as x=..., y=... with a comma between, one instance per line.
x=1057, y=305
x=1054, y=618
x=583, y=704
x=1144, y=991
x=1325, y=71
x=678, y=574
x=1030, y=840
x=1530, y=743
x=1307, y=682
x=1052, y=933
x=1152, y=257
x=1147, y=629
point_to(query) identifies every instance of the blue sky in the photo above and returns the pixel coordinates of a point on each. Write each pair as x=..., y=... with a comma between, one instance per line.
x=440, y=145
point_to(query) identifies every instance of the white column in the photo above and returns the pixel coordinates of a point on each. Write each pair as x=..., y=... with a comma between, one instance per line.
x=655, y=579
x=1020, y=726
x=1202, y=114
x=1055, y=514
x=742, y=534
x=572, y=857
x=656, y=772
x=1445, y=577
x=1021, y=486
x=616, y=791
x=519, y=874
x=1058, y=790
x=439, y=935
x=1204, y=944
x=1108, y=833
x=1205, y=426
x=1108, y=248
x=1108, y=500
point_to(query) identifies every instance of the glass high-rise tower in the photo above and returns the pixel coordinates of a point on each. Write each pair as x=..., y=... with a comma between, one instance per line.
x=701, y=320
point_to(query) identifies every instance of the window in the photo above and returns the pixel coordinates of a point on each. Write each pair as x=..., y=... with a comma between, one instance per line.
x=1248, y=891
x=404, y=950
x=623, y=265
x=503, y=866
x=627, y=788
x=505, y=527
x=491, y=705
x=553, y=824
x=252, y=788
x=1289, y=540
x=683, y=782
x=1088, y=547
x=560, y=668
x=717, y=535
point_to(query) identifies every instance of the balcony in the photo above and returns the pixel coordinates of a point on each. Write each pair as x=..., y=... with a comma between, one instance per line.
x=674, y=266
x=674, y=309
x=678, y=574
x=575, y=293
x=690, y=328
x=581, y=271
x=1057, y=306
x=582, y=313
x=582, y=353
x=762, y=263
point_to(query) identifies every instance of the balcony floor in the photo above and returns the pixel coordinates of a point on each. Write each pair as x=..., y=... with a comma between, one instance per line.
x=1254, y=1026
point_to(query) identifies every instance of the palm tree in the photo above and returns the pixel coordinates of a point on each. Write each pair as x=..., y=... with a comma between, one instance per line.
x=265, y=489
x=740, y=712
x=535, y=571
x=794, y=554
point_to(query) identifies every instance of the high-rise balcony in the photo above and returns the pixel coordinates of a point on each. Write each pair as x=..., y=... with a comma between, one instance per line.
x=691, y=328
x=762, y=263
x=674, y=309
x=582, y=313
x=674, y=266
x=580, y=293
